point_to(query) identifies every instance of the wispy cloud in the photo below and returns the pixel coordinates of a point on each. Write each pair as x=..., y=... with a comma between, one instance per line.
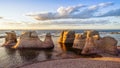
x=79, y=11
x=115, y=12
x=106, y=4
x=91, y=23
x=77, y=22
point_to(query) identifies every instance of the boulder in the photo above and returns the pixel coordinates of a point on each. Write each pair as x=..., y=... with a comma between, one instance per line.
x=30, y=39
x=104, y=45
x=89, y=47
x=85, y=41
x=90, y=43
x=91, y=33
x=107, y=45
x=79, y=42
x=10, y=39
x=67, y=37
x=48, y=42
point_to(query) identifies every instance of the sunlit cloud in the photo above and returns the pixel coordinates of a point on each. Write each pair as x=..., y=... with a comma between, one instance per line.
x=79, y=11
x=66, y=11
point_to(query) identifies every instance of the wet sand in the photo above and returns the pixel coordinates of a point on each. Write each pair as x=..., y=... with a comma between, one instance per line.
x=75, y=63
x=107, y=61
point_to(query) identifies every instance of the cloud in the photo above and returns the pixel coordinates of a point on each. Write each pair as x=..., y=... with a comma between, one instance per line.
x=75, y=12
x=91, y=10
x=88, y=23
x=77, y=22
x=105, y=4
x=62, y=11
x=43, y=16
x=112, y=13
x=1, y=17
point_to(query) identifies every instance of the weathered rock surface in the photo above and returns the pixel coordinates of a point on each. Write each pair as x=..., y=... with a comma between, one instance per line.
x=107, y=45
x=10, y=39
x=90, y=42
x=67, y=37
x=104, y=45
x=79, y=42
x=30, y=39
x=80, y=39
x=89, y=47
x=48, y=42
x=91, y=33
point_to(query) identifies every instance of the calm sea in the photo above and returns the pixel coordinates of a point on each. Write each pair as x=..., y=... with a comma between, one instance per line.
x=10, y=58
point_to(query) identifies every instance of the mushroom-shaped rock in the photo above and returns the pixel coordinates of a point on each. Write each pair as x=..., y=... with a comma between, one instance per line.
x=67, y=37
x=10, y=39
x=30, y=39
x=79, y=42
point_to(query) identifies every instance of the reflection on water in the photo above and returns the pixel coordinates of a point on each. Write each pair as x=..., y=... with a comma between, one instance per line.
x=11, y=58
x=28, y=55
x=66, y=47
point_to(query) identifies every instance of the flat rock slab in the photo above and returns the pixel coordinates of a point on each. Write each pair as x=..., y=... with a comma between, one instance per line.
x=75, y=63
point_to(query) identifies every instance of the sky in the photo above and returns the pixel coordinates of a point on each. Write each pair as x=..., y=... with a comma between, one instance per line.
x=59, y=14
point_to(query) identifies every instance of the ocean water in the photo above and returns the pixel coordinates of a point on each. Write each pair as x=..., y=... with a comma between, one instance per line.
x=10, y=58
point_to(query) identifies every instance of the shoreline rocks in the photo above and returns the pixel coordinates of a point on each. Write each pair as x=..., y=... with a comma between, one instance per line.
x=107, y=44
x=79, y=41
x=67, y=37
x=89, y=42
x=48, y=42
x=95, y=44
x=30, y=39
x=10, y=39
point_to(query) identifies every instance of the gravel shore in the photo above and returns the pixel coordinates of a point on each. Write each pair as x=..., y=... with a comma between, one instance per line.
x=75, y=63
